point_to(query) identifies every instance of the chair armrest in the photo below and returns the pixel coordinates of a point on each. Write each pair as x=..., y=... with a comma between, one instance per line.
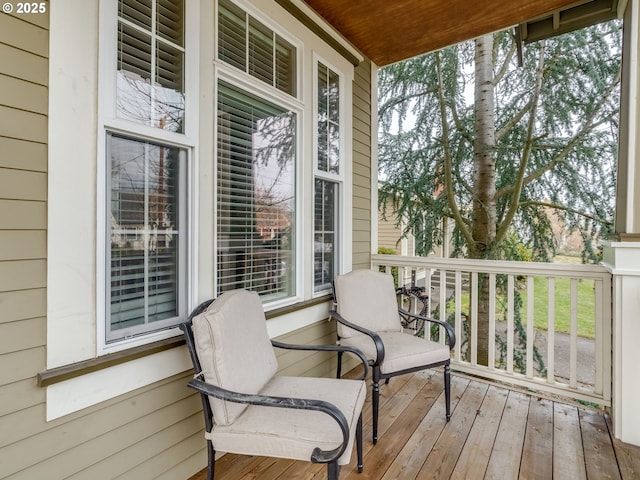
x=318, y=455
x=450, y=332
x=327, y=348
x=374, y=336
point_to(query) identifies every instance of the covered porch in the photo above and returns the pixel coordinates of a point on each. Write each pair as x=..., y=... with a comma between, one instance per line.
x=494, y=432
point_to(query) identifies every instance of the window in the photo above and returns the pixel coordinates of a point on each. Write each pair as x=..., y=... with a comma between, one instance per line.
x=326, y=191
x=146, y=231
x=247, y=44
x=255, y=194
x=146, y=176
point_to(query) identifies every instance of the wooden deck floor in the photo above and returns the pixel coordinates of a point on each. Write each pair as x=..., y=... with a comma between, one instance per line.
x=494, y=433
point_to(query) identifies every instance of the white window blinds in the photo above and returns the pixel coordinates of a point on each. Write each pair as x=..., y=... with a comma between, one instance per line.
x=254, y=48
x=150, y=82
x=325, y=212
x=255, y=195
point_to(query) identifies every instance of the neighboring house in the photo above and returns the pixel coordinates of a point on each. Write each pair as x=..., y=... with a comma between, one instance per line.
x=391, y=235
x=154, y=153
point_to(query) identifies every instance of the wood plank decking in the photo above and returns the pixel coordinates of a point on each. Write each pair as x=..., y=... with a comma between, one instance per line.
x=494, y=433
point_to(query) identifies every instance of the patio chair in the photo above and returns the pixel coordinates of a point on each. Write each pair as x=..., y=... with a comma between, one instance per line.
x=248, y=409
x=369, y=319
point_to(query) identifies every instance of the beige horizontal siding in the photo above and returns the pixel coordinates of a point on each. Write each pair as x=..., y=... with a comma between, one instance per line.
x=15, y=367
x=22, y=215
x=15, y=123
x=23, y=335
x=321, y=364
x=24, y=95
x=23, y=185
x=99, y=438
x=22, y=274
x=22, y=304
x=22, y=244
x=23, y=155
x=23, y=34
x=362, y=142
x=20, y=395
x=24, y=65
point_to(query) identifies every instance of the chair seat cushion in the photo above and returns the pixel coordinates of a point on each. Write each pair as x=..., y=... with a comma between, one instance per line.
x=288, y=433
x=401, y=350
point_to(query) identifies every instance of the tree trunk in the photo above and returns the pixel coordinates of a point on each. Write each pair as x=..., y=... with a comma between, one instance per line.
x=484, y=202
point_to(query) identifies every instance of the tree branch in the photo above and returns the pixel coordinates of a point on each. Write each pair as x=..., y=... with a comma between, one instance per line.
x=526, y=153
x=555, y=206
x=398, y=100
x=505, y=65
x=587, y=127
x=514, y=120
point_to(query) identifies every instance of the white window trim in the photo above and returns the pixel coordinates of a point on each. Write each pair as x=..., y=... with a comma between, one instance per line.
x=344, y=217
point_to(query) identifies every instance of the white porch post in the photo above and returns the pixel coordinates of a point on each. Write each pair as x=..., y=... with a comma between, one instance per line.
x=623, y=256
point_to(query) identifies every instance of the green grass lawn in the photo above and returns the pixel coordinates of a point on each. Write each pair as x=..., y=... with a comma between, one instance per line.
x=562, y=299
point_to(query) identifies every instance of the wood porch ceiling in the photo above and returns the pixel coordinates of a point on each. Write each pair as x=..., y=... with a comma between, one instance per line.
x=388, y=31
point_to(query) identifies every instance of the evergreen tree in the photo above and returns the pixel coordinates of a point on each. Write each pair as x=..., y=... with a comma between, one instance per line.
x=468, y=134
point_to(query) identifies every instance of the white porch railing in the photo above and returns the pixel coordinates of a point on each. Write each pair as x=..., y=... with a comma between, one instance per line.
x=538, y=357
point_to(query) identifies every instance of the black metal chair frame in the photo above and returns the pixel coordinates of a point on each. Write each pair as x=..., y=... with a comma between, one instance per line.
x=206, y=389
x=376, y=363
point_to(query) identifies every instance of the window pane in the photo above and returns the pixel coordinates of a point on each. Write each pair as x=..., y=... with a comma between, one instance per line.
x=170, y=21
x=285, y=66
x=232, y=35
x=144, y=232
x=150, y=77
x=136, y=11
x=260, y=52
x=328, y=120
x=325, y=241
x=255, y=195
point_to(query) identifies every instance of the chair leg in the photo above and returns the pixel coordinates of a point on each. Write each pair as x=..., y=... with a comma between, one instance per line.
x=339, y=372
x=211, y=453
x=333, y=470
x=375, y=402
x=359, y=443
x=447, y=389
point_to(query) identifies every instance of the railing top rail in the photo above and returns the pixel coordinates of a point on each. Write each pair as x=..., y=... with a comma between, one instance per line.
x=495, y=266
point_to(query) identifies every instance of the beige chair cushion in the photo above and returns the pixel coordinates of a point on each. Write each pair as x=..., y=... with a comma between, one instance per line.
x=401, y=350
x=287, y=433
x=234, y=349
x=367, y=298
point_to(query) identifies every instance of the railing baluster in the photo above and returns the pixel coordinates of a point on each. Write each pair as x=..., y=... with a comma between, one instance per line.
x=603, y=338
x=510, y=329
x=551, y=329
x=531, y=335
x=427, y=288
x=474, y=318
x=492, y=320
x=458, y=314
x=573, y=346
x=443, y=302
